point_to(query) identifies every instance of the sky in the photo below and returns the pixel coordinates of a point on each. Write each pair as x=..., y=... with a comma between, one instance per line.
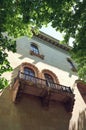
x=52, y=32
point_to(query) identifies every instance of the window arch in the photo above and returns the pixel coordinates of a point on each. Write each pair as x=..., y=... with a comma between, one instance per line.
x=49, y=74
x=34, y=48
x=31, y=67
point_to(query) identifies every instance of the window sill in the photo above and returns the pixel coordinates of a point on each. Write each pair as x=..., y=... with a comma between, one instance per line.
x=38, y=55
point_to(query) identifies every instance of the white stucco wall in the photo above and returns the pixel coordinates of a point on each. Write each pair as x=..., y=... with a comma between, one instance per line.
x=55, y=59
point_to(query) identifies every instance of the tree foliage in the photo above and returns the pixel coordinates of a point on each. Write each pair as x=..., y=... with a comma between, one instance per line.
x=70, y=17
x=18, y=17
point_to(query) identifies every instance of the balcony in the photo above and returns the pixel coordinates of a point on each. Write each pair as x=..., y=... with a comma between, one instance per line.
x=46, y=91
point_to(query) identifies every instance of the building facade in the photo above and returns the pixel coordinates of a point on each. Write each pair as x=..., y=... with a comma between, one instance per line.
x=43, y=92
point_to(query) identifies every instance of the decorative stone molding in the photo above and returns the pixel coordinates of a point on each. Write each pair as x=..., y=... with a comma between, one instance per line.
x=52, y=41
x=29, y=65
x=53, y=75
x=38, y=55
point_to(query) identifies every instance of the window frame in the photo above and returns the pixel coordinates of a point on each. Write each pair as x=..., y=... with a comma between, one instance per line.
x=52, y=74
x=72, y=65
x=34, y=48
x=35, y=51
x=29, y=72
x=48, y=77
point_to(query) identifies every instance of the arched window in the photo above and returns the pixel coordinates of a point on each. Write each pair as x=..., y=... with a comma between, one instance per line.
x=29, y=68
x=29, y=74
x=48, y=78
x=73, y=68
x=29, y=71
x=34, y=48
x=35, y=51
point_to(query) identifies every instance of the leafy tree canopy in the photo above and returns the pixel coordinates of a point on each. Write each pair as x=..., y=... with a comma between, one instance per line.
x=17, y=17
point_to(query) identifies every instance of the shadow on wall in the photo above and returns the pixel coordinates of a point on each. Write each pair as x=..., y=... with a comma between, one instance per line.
x=81, y=123
x=28, y=114
x=31, y=115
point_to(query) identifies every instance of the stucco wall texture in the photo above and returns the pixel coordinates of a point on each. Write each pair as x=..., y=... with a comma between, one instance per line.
x=55, y=59
x=29, y=114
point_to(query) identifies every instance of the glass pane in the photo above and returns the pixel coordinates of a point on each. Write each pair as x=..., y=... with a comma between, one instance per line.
x=48, y=78
x=29, y=71
x=34, y=48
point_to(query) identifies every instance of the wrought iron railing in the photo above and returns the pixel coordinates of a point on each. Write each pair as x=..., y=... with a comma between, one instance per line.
x=43, y=82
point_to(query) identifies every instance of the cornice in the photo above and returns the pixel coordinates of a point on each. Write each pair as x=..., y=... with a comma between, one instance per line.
x=53, y=41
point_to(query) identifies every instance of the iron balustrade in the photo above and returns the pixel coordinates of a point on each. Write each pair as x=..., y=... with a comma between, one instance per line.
x=43, y=82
